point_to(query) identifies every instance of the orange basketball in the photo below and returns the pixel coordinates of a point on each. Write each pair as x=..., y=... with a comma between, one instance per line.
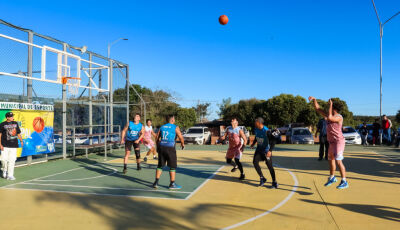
x=38, y=124
x=223, y=19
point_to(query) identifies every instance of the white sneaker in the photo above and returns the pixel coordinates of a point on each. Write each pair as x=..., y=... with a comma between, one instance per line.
x=10, y=178
x=5, y=175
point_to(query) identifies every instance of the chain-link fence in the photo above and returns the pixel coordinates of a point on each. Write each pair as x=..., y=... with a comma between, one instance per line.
x=31, y=70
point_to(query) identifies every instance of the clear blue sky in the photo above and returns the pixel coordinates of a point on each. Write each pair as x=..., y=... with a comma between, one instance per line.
x=321, y=48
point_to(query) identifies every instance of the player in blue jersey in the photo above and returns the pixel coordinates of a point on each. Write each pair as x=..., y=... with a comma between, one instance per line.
x=265, y=140
x=131, y=136
x=166, y=150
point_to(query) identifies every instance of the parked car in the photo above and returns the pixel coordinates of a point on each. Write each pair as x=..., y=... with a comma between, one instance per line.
x=198, y=135
x=300, y=136
x=351, y=136
x=283, y=130
x=370, y=130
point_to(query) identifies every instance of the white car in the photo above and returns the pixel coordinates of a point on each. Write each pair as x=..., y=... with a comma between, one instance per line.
x=351, y=136
x=198, y=135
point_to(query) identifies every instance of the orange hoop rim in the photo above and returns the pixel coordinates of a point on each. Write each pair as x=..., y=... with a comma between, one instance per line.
x=64, y=80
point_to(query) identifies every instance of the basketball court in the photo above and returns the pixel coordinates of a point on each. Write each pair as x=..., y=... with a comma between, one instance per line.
x=94, y=194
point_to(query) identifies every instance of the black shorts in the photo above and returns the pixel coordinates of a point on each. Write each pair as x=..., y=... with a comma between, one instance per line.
x=167, y=155
x=261, y=153
x=129, y=144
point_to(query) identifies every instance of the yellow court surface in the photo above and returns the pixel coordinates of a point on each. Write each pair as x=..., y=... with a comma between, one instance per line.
x=88, y=194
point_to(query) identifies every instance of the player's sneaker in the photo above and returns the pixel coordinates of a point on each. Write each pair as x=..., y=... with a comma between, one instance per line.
x=174, y=186
x=145, y=159
x=11, y=178
x=155, y=184
x=125, y=171
x=5, y=174
x=154, y=158
x=234, y=169
x=274, y=184
x=262, y=181
x=343, y=184
x=320, y=159
x=242, y=177
x=139, y=168
x=330, y=181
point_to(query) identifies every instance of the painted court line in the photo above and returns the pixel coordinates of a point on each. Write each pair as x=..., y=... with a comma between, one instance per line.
x=204, y=182
x=92, y=193
x=80, y=179
x=111, y=188
x=55, y=174
x=296, y=183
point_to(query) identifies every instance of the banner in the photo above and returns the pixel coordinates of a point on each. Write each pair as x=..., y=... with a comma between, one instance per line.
x=36, y=124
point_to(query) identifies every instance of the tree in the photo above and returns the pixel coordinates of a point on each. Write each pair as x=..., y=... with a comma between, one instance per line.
x=202, y=110
x=224, y=106
x=398, y=116
x=185, y=117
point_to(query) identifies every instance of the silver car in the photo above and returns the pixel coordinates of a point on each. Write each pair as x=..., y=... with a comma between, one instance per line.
x=300, y=136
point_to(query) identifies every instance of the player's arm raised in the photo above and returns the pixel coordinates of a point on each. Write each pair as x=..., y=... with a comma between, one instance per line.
x=332, y=118
x=123, y=134
x=179, y=134
x=317, y=107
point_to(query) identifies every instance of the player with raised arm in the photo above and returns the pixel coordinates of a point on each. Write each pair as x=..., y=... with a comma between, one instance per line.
x=336, y=140
x=133, y=133
x=266, y=140
x=166, y=150
x=236, y=146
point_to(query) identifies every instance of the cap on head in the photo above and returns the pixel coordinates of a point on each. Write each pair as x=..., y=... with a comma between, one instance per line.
x=9, y=114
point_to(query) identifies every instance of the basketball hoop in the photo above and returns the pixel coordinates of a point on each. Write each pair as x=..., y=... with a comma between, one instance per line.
x=72, y=83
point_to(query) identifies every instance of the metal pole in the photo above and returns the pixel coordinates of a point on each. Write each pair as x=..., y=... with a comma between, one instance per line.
x=127, y=93
x=90, y=101
x=380, y=92
x=111, y=99
x=29, y=81
x=64, y=113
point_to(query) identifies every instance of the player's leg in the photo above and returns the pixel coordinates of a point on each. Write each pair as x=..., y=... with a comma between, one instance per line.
x=128, y=148
x=172, y=164
x=154, y=153
x=137, y=154
x=12, y=157
x=339, y=161
x=321, y=148
x=326, y=148
x=238, y=156
x=4, y=163
x=160, y=166
x=332, y=165
x=256, y=163
x=229, y=160
x=271, y=169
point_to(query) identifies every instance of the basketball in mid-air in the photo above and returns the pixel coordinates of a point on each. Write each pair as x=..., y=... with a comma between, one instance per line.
x=223, y=19
x=38, y=124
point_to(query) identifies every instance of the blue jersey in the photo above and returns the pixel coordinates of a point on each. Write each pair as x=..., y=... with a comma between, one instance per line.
x=168, y=134
x=262, y=139
x=133, y=131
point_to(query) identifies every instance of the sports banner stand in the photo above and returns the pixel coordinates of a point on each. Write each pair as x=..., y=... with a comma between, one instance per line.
x=36, y=124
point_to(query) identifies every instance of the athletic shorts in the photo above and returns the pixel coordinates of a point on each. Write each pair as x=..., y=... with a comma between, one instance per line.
x=336, y=149
x=129, y=144
x=149, y=144
x=167, y=155
x=262, y=153
x=235, y=152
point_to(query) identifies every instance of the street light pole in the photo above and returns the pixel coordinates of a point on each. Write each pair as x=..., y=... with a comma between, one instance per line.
x=112, y=43
x=381, y=25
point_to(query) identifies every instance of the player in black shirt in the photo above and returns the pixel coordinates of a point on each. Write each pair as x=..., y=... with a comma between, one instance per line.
x=9, y=135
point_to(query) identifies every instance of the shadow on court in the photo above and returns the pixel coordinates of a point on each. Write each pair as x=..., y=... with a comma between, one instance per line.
x=384, y=212
x=125, y=213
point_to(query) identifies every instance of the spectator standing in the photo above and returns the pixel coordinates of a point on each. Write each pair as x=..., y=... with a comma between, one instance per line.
x=375, y=131
x=323, y=139
x=364, y=134
x=386, y=126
